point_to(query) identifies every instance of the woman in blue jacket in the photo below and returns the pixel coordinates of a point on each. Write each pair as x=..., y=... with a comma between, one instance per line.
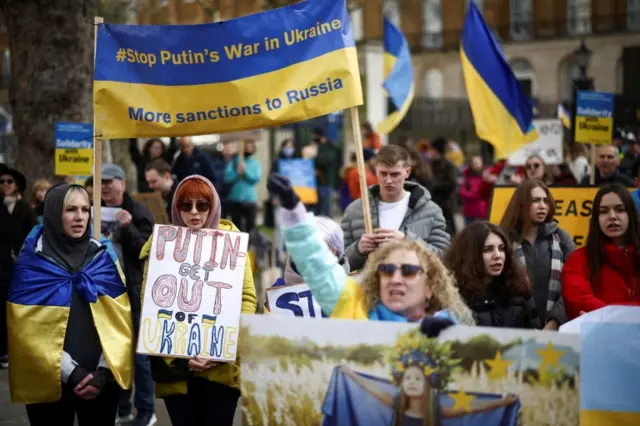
x=242, y=176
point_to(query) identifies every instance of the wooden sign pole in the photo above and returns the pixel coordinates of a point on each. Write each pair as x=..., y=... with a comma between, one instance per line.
x=364, y=190
x=97, y=155
x=592, y=178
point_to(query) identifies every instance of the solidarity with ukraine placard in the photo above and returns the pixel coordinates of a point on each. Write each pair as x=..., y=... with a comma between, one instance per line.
x=280, y=66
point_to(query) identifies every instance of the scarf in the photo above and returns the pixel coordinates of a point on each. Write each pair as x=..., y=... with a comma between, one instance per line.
x=556, y=269
x=382, y=313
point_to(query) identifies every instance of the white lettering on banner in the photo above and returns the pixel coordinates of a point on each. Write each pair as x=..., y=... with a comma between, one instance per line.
x=293, y=300
x=548, y=146
x=193, y=293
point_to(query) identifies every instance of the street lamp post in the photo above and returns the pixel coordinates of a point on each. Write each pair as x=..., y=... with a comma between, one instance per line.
x=581, y=57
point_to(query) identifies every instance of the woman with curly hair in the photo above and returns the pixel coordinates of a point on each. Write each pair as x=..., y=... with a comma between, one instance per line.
x=490, y=278
x=403, y=281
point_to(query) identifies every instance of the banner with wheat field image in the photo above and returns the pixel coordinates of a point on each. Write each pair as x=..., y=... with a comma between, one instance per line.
x=299, y=371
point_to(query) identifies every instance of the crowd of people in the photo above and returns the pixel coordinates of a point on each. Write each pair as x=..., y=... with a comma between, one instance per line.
x=73, y=322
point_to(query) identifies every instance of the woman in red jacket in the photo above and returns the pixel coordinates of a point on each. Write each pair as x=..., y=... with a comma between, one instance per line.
x=605, y=271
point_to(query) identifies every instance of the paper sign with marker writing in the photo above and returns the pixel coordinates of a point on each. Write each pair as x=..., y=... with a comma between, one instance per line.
x=193, y=293
x=293, y=300
x=548, y=146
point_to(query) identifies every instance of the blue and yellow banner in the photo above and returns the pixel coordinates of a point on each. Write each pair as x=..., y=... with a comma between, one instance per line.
x=564, y=116
x=610, y=372
x=280, y=66
x=74, y=149
x=502, y=113
x=302, y=175
x=398, y=74
x=594, y=117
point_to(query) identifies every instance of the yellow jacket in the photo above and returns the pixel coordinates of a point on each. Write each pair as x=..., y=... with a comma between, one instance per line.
x=229, y=373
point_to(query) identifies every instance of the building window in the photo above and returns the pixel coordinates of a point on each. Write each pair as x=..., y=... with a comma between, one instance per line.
x=525, y=75
x=432, y=18
x=392, y=11
x=356, y=23
x=571, y=74
x=578, y=17
x=433, y=84
x=633, y=14
x=521, y=19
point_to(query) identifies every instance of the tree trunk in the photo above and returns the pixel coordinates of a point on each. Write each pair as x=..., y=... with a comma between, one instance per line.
x=51, y=44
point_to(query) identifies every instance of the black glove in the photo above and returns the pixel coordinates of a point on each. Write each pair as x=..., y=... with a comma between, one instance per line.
x=279, y=186
x=432, y=326
x=77, y=375
x=101, y=377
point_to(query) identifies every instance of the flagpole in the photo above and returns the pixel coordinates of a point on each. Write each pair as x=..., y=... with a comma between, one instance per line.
x=364, y=190
x=97, y=154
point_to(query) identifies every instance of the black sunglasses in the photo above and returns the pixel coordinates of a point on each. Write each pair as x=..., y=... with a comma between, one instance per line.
x=407, y=270
x=201, y=206
x=534, y=166
x=7, y=181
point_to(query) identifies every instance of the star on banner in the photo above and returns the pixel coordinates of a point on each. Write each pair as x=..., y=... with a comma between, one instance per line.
x=550, y=356
x=499, y=366
x=462, y=400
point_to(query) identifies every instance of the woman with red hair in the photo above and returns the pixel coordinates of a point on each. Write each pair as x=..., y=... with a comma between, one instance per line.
x=194, y=389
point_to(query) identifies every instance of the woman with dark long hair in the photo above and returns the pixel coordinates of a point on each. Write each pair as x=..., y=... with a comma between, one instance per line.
x=540, y=246
x=605, y=271
x=490, y=279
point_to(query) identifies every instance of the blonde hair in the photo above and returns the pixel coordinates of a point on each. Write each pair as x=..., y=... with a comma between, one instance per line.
x=71, y=192
x=40, y=184
x=445, y=293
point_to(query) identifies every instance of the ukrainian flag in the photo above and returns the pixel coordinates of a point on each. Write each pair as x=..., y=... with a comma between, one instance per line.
x=208, y=319
x=610, y=373
x=564, y=116
x=398, y=72
x=165, y=314
x=502, y=113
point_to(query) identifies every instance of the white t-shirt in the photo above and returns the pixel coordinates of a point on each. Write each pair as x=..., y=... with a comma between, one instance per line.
x=391, y=215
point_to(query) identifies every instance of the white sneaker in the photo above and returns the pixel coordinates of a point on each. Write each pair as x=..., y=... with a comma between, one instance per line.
x=146, y=420
x=125, y=419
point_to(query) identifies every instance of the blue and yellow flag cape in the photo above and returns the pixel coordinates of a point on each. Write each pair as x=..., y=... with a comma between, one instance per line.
x=502, y=113
x=398, y=74
x=37, y=314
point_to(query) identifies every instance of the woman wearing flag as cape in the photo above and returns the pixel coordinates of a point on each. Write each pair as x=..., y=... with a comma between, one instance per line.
x=69, y=317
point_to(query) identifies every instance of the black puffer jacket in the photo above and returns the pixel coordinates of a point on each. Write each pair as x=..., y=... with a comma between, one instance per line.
x=514, y=313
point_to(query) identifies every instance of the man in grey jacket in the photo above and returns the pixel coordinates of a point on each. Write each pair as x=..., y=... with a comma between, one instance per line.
x=399, y=209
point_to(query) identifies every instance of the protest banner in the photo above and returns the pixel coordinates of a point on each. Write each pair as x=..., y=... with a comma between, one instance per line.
x=302, y=175
x=193, y=292
x=293, y=300
x=74, y=149
x=594, y=117
x=609, y=360
x=343, y=372
x=573, y=208
x=548, y=146
x=281, y=66
x=108, y=221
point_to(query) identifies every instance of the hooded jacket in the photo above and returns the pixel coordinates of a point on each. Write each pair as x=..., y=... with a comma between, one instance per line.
x=423, y=222
x=473, y=205
x=617, y=283
x=174, y=371
x=538, y=258
x=67, y=305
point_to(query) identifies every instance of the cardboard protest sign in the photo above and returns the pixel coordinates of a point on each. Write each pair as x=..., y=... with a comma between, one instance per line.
x=156, y=205
x=293, y=300
x=371, y=373
x=573, y=208
x=74, y=149
x=594, y=117
x=548, y=146
x=280, y=66
x=302, y=175
x=193, y=293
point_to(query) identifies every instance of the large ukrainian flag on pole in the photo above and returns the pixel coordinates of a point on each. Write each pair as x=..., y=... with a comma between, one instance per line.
x=280, y=66
x=398, y=73
x=502, y=113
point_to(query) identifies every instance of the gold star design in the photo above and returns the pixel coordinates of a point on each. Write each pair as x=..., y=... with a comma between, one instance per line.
x=550, y=356
x=462, y=400
x=499, y=366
